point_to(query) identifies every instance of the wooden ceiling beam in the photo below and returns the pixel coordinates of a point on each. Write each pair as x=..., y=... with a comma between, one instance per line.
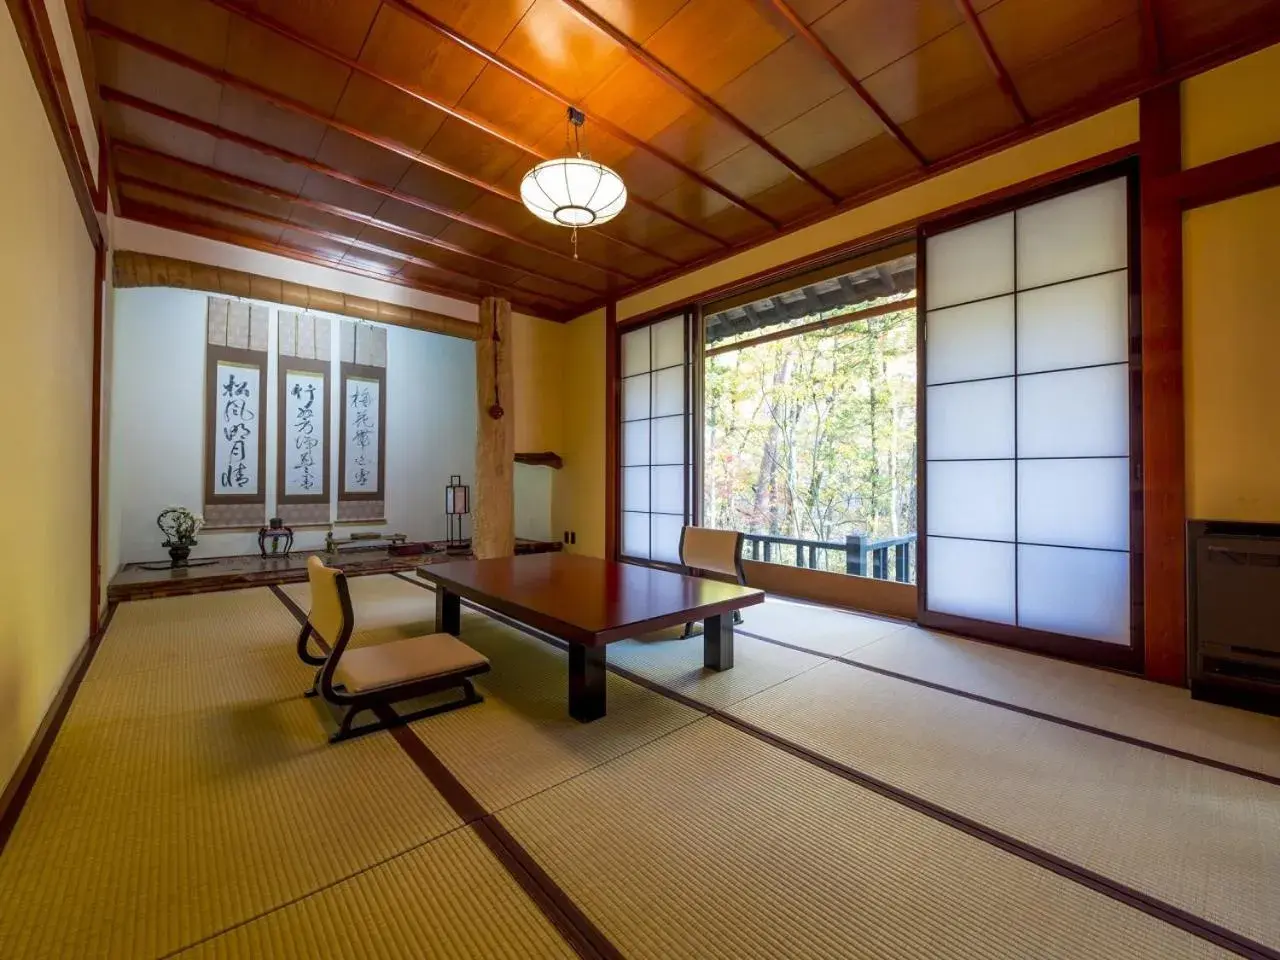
x=472, y=120
x=696, y=96
x=353, y=242
x=102, y=28
x=508, y=67
x=818, y=44
x=1152, y=45
x=1003, y=79
x=338, y=211
x=222, y=133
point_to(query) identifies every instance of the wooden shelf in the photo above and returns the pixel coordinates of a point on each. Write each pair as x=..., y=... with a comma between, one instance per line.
x=547, y=459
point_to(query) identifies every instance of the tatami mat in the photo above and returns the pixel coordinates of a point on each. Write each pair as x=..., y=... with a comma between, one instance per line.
x=178, y=630
x=448, y=898
x=1123, y=704
x=186, y=798
x=821, y=629
x=710, y=843
x=1198, y=838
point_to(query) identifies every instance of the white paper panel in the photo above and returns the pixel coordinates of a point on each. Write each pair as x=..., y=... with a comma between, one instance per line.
x=971, y=341
x=1075, y=413
x=1072, y=503
x=668, y=439
x=970, y=263
x=971, y=499
x=970, y=578
x=1074, y=324
x=305, y=402
x=635, y=535
x=1072, y=236
x=635, y=488
x=667, y=487
x=668, y=392
x=635, y=397
x=969, y=421
x=668, y=343
x=362, y=410
x=666, y=538
x=635, y=352
x=238, y=408
x=1082, y=593
x=635, y=443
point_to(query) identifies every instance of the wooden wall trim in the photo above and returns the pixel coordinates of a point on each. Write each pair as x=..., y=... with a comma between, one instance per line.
x=1225, y=179
x=31, y=20
x=95, y=441
x=133, y=269
x=612, y=414
x=1163, y=457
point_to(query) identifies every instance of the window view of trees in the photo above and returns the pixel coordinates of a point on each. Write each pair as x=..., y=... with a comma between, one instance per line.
x=813, y=437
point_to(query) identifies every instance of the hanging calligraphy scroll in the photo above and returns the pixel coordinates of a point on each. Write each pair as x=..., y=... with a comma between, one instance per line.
x=362, y=416
x=235, y=414
x=304, y=349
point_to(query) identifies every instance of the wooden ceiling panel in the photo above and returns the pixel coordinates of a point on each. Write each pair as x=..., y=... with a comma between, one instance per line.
x=244, y=162
x=387, y=113
x=319, y=220
x=787, y=83
x=869, y=35
x=405, y=214
x=126, y=123
x=258, y=118
x=403, y=49
x=710, y=42
x=161, y=172
x=702, y=141
x=737, y=225
x=474, y=269
x=197, y=29
x=639, y=21
x=1191, y=28
x=1109, y=57
x=514, y=106
x=340, y=24
x=790, y=199
x=745, y=175
x=880, y=160
x=1026, y=31
x=945, y=70
x=638, y=101
x=462, y=146
x=833, y=127
x=439, y=188
x=559, y=48
x=326, y=248
x=129, y=69
x=191, y=208
x=488, y=22
x=962, y=124
x=317, y=186
x=362, y=159
x=265, y=58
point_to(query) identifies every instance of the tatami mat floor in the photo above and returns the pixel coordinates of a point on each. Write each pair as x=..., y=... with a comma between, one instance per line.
x=795, y=806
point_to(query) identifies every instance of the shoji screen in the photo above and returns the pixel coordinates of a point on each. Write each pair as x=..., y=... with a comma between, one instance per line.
x=654, y=447
x=1027, y=411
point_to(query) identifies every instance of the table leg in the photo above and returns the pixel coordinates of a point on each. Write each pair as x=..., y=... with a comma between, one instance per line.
x=448, y=611
x=717, y=642
x=586, y=682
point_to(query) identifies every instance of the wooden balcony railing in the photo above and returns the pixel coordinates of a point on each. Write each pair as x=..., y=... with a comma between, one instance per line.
x=886, y=559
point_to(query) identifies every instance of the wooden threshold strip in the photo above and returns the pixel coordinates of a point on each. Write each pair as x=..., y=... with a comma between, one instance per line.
x=827, y=324
x=561, y=912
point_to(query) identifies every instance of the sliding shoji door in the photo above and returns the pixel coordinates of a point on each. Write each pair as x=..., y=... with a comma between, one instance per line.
x=1030, y=508
x=654, y=452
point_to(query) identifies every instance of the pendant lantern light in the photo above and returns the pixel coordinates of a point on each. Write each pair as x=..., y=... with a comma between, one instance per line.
x=573, y=191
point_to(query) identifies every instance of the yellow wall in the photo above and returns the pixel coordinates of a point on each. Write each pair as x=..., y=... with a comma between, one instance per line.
x=578, y=495
x=1231, y=286
x=46, y=340
x=537, y=358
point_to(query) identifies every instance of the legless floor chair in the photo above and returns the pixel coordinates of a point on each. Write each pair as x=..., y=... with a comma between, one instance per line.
x=375, y=677
x=704, y=550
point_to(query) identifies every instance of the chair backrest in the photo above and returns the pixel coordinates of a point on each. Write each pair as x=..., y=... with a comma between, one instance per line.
x=715, y=551
x=330, y=615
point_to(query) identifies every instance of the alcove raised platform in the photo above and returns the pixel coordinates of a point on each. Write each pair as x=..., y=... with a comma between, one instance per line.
x=233, y=573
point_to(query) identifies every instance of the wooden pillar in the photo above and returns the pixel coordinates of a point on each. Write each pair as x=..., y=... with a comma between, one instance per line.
x=493, y=530
x=1163, y=460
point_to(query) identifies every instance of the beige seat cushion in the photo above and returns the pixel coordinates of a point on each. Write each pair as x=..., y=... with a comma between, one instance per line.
x=414, y=658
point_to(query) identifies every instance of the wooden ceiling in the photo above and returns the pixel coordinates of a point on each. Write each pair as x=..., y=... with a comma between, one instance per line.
x=389, y=137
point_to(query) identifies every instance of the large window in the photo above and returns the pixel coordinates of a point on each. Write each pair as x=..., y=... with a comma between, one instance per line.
x=1028, y=451
x=654, y=442
x=809, y=429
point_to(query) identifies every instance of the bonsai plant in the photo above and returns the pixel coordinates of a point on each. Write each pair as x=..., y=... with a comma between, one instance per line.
x=179, y=526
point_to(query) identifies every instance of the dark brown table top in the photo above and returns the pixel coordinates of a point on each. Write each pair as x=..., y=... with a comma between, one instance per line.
x=585, y=599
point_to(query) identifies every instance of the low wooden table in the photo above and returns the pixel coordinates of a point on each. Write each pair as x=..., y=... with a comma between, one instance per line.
x=590, y=603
